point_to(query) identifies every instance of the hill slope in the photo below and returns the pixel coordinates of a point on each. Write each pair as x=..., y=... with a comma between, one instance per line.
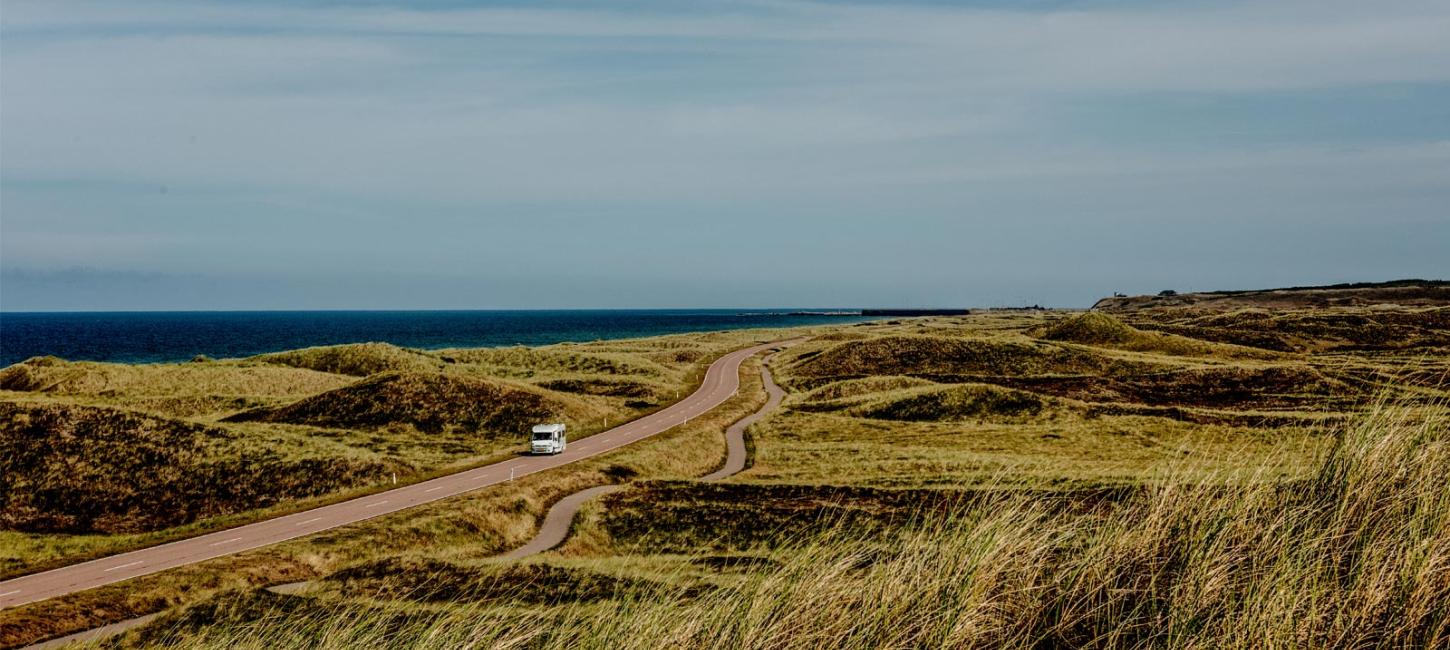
x=356, y=359
x=1406, y=293
x=429, y=402
x=84, y=469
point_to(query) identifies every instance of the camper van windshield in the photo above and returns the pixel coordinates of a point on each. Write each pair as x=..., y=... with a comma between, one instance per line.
x=543, y=435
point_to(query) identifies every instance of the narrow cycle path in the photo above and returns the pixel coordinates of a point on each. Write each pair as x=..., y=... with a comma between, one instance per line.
x=560, y=517
x=735, y=452
x=720, y=383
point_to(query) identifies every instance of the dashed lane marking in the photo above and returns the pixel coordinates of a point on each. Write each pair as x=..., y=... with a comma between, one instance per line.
x=123, y=566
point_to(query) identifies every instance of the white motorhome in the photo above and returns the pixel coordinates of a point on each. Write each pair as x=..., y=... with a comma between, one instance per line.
x=548, y=439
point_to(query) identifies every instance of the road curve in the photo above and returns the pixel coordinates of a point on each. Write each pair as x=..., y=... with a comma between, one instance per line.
x=556, y=524
x=560, y=518
x=735, y=453
x=721, y=381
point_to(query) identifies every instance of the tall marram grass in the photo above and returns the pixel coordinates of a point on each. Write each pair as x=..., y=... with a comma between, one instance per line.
x=1357, y=555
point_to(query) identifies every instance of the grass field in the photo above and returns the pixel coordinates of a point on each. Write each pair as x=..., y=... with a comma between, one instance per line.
x=86, y=448
x=1353, y=554
x=1166, y=477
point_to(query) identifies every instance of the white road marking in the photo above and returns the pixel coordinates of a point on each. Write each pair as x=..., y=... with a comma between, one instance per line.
x=434, y=489
x=691, y=408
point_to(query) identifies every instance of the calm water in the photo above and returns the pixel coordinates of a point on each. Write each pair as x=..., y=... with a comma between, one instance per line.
x=143, y=337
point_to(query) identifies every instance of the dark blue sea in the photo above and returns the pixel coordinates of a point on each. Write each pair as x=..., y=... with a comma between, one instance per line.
x=150, y=337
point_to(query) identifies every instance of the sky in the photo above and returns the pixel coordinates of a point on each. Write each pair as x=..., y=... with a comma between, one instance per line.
x=327, y=155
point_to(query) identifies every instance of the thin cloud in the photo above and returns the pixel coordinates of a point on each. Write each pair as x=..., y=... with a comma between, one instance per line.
x=339, y=123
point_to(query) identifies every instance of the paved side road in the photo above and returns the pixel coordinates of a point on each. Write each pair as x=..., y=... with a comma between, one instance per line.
x=735, y=452
x=560, y=517
x=557, y=522
x=720, y=383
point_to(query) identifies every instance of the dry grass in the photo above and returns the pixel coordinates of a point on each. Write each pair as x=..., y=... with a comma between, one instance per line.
x=355, y=359
x=923, y=486
x=333, y=435
x=957, y=402
x=980, y=400
x=521, y=362
x=1315, y=330
x=850, y=388
x=1356, y=554
x=187, y=390
x=1096, y=328
x=432, y=403
x=1064, y=449
x=469, y=528
x=938, y=357
x=80, y=469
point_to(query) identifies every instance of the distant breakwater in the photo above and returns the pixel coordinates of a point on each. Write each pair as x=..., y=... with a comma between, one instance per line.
x=916, y=312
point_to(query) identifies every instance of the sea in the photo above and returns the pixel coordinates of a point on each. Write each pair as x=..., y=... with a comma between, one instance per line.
x=160, y=337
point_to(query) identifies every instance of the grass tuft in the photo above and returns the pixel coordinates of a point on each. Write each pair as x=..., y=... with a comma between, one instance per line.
x=1356, y=555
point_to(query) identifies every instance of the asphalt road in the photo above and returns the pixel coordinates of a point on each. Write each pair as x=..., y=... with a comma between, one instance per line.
x=735, y=453
x=557, y=523
x=721, y=381
x=560, y=517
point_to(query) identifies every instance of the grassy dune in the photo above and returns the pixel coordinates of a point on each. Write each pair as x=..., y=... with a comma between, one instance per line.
x=1355, y=554
x=430, y=403
x=186, y=390
x=1067, y=400
x=1095, y=328
x=941, y=357
x=933, y=403
x=472, y=526
x=87, y=446
x=1306, y=330
x=356, y=359
x=81, y=469
x=1168, y=477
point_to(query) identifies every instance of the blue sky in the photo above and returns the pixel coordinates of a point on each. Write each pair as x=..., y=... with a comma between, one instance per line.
x=492, y=155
